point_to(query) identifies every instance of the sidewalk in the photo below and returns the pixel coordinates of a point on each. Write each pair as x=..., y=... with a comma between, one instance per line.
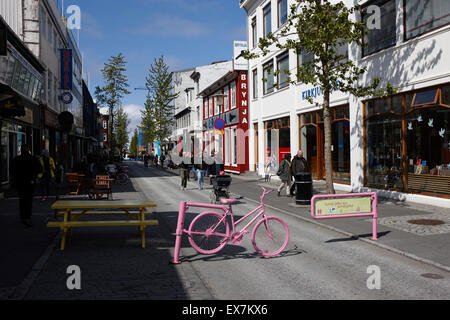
x=425, y=243
x=113, y=264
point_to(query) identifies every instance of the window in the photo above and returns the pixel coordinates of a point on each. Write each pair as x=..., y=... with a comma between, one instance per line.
x=254, y=33
x=210, y=103
x=255, y=83
x=227, y=146
x=233, y=146
x=227, y=100
x=267, y=18
x=55, y=97
x=50, y=86
x=233, y=95
x=218, y=103
x=282, y=12
x=49, y=31
x=422, y=16
x=55, y=40
x=43, y=20
x=283, y=69
x=268, y=77
x=384, y=37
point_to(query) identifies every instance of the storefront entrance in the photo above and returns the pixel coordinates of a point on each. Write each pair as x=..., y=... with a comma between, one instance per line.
x=277, y=140
x=312, y=141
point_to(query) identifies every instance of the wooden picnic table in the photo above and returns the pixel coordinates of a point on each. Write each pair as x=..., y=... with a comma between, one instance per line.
x=73, y=210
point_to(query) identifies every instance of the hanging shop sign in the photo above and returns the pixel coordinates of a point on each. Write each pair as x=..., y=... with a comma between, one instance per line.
x=66, y=69
x=67, y=98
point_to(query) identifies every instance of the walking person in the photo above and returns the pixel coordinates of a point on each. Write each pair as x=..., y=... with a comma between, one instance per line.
x=24, y=169
x=47, y=174
x=183, y=172
x=284, y=172
x=299, y=165
x=201, y=173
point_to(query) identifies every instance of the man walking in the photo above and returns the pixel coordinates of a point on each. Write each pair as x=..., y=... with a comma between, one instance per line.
x=299, y=165
x=284, y=172
x=24, y=169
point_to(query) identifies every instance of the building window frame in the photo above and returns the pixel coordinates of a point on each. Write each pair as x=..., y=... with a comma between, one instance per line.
x=279, y=17
x=267, y=20
x=268, y=70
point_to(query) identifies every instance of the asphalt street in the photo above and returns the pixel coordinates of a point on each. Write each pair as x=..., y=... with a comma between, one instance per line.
x=313, y=266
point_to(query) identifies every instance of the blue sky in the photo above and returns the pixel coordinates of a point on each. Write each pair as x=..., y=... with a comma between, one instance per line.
x=188, y=33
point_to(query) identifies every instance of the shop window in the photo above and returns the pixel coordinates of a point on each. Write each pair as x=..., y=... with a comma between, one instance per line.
x=425, y=97
x=397, y=104
x=422, y=16
x=340, y=152
x=446, y=95
x=380, y=38
x=428, y=152
x=384, y=151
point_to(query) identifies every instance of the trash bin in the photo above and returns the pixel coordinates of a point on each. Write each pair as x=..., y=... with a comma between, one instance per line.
x=303, y=188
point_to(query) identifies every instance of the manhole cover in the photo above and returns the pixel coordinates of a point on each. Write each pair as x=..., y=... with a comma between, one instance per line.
x=432, y=276
x=427, y=222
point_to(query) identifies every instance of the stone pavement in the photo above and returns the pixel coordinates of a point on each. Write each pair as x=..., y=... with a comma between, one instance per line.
x=426, y=243
x=112, y=257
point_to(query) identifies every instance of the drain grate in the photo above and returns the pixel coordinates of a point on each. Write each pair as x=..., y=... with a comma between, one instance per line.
x=427, y=222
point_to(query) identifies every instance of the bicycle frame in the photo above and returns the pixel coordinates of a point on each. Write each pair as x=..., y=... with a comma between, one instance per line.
x=184, y=206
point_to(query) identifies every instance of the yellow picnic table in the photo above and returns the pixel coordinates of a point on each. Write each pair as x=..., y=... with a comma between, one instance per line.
x=73, y=210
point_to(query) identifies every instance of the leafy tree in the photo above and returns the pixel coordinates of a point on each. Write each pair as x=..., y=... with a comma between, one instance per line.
x=116, y=84
x=121, y=124
x=157, y=120
x=321, y=29
x=134, y=143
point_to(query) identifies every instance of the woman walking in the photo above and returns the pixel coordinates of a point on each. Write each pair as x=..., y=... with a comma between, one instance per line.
x=201, y=173
x=284, y=172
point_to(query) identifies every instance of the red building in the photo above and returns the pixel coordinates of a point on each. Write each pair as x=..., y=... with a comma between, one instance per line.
x=227, y=99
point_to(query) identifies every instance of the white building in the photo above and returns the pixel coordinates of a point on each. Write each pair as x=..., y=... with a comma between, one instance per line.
x=400, y=144
x=188, y=105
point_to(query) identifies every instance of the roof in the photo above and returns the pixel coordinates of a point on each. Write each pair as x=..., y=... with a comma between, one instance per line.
x=219, y=83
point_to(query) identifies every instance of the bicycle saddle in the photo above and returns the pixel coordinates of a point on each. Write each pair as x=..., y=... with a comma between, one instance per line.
x=227, y=201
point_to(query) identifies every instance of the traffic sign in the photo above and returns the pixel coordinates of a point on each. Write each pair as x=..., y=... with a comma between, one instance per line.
x=219, y=124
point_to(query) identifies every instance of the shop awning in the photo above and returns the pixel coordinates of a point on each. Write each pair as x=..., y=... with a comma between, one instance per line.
x=11, y=103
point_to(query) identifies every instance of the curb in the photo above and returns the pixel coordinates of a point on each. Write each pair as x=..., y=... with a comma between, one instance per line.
x=383, y=246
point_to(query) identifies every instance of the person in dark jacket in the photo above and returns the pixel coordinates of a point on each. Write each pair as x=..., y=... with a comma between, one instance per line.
x=201, y=168
x=25, y=169
x=284, y=172
x=184, y=167
x=299, y=165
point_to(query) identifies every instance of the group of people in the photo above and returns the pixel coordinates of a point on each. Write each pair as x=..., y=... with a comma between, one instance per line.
x=200, y=168
x=290, y=168
x=155, y=159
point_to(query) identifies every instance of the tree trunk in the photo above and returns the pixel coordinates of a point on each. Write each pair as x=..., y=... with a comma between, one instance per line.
x=328, y=140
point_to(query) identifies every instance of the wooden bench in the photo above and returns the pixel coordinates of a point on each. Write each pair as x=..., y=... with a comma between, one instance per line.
x=74, y=210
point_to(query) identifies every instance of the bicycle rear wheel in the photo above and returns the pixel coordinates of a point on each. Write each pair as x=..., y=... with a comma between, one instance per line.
x=122, y=178
x=270, y=236
x=208, y=232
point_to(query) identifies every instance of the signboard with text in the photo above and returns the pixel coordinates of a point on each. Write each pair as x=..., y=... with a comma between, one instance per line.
x=66, y=69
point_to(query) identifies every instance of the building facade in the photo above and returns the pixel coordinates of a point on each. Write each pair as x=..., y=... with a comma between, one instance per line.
x=398, y=145
x=21, y=82
x=188, y=106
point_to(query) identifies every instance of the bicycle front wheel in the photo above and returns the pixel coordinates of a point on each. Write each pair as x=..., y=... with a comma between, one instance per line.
x=270, y=236
x=209, y=232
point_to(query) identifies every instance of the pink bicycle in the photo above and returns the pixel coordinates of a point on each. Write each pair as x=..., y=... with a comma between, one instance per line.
x=209, y=232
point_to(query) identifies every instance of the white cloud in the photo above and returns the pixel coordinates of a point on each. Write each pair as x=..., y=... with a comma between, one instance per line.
x=134, y=115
